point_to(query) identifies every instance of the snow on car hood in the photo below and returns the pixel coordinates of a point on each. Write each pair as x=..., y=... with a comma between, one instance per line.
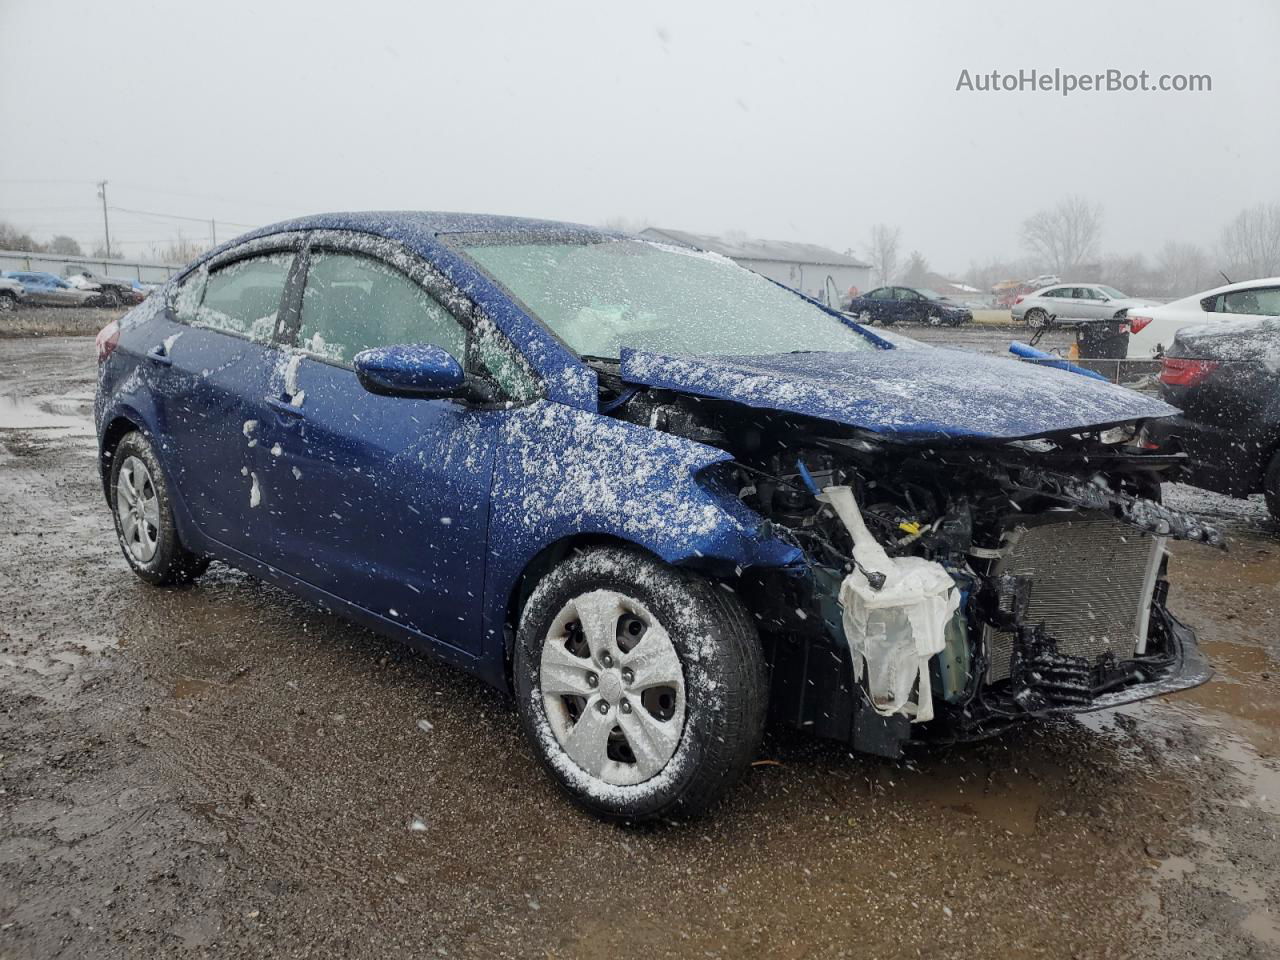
x=927, y=391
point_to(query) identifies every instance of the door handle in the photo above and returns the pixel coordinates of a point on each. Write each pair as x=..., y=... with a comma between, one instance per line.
x=284, y=407
x=158, y=355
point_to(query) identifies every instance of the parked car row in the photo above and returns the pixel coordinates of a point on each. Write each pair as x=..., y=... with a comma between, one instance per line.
x=1149, y=327
x=80, y=289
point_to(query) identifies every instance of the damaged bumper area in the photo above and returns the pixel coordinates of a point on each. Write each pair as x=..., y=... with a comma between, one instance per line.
x=952, y=585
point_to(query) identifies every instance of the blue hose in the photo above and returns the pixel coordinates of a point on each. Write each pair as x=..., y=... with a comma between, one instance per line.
x=1049, y=360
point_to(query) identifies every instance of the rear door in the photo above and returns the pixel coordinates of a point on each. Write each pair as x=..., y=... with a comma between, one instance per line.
x=382, y=501
x=209, y=369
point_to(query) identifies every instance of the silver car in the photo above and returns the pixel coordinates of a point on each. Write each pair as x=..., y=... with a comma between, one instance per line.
x=1074, y=301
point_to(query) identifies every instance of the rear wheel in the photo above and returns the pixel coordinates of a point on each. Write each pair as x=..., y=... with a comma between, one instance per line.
x=865, y=318
x=1271, y=486
x=8, y=303
x=143, y=511
x=642, y=687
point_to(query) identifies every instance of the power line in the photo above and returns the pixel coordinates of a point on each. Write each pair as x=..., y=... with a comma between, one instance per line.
x=174, y=216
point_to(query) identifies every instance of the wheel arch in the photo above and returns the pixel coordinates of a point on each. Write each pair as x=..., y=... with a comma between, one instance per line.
x=542, y=563
x=117, y=428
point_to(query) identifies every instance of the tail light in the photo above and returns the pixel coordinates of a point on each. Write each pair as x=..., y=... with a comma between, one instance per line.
x=108, y=338
x=1137, y=323
x=1177, y=372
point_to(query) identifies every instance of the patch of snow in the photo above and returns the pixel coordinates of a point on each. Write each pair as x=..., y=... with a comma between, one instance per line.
x=255, y=491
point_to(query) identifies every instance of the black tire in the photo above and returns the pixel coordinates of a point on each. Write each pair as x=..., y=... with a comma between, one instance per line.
x=172, y=563
x=1036, y=319
x=8, y=302
x=725, y=683
x=111, y=297
x=1271, y=486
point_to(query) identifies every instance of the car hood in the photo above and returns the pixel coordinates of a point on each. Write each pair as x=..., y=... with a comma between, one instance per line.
x=921, y=392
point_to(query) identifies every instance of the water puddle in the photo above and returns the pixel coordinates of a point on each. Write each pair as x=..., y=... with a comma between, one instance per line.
x=46, y=413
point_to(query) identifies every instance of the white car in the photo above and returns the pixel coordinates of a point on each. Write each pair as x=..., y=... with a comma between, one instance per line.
x=1153, y=329
x=1074, y=301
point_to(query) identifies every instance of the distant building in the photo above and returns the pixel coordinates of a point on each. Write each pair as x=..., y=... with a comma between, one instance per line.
x=802, y=266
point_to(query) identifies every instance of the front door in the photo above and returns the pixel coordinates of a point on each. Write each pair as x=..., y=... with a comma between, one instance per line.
x=380, y=501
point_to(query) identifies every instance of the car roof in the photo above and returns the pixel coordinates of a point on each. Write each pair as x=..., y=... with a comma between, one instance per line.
x=419, y=229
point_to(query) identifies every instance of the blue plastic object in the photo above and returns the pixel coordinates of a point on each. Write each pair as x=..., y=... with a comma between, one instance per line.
x=1028, y=352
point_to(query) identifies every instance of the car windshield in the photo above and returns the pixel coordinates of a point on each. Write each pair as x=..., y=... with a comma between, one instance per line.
x=930, y=294
x=602, y=296
x=1113, y=293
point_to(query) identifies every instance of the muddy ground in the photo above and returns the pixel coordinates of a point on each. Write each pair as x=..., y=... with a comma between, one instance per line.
x=223, y=771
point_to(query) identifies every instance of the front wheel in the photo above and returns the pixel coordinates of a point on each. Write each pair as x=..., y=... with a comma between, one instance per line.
x=642, y=687
x=1037, y=319
x=8, y=303
x=143, y=512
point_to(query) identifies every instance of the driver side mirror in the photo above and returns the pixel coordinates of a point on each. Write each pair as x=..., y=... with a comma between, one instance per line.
x=412, y=370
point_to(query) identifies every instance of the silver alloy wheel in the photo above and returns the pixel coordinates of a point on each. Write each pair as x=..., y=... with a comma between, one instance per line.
x=7, y=303
x=864, y=318
x=935, y=320
x=138, y=508
x=613, y=687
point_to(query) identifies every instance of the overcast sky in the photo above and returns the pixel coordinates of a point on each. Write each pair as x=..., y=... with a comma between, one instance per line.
x=791, y=121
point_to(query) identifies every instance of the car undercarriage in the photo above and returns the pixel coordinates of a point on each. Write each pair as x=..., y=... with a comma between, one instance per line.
x=1055, y=546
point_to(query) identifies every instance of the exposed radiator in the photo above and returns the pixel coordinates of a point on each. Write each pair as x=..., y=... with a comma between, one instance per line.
x=1092, y=580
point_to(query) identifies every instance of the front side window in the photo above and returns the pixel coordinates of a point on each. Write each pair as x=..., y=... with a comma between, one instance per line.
x=243, y=298
x=602, y=296
x=353, y=302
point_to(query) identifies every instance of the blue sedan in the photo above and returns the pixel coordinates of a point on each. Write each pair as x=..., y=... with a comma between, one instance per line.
x=655, y=496
x=889, y=305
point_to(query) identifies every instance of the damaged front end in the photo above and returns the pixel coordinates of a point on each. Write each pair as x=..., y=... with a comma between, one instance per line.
x=994, y=581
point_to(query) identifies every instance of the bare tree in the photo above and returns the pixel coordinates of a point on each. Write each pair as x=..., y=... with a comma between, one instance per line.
x=11, y=238
x=916, y=273
x=1066, y=236
x=66, y=246
x=883, y=252
x=182, y=250
x=1182, y=269
x=626, y=224
x=1129, y=272
x=1251, y=243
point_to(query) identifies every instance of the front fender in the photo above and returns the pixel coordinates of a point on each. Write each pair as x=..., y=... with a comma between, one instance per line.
x=562, y=473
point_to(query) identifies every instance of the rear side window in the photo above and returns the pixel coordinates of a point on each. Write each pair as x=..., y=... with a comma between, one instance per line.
x=353, y=302
x=243, y=298
x=1259, y=302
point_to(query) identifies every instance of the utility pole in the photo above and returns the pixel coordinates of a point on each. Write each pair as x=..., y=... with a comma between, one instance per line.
x=106, y=228
x=213, y=231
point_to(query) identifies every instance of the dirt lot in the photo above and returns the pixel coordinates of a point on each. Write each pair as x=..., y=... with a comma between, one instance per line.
x=222, y=771
x=55, y=321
